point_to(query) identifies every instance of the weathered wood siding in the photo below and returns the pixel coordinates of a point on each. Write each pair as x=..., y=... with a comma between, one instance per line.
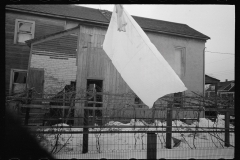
x=93, y=62
x=67, y=45
x=17, y=55
x=36, y=80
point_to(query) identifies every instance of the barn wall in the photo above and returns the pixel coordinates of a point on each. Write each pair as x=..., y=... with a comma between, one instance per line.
x=17, y=55
x=93, y=62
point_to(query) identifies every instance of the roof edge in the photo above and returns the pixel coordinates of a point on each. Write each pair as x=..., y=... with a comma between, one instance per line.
x=53, y=15
x=104, y=23
x=176, y=34
x=32, y=41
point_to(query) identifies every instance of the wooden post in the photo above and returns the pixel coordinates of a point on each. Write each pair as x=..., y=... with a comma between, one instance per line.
x=216, y=88
x=63, y=111
x=169, y=128
x=227, y=121
x=94, y=104
x=151, y=145
x=85, y=130
x=153, y=112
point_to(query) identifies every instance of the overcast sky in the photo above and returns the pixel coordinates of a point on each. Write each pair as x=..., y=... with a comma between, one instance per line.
x=215, y=21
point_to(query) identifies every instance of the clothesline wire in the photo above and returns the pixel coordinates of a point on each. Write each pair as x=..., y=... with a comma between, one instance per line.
x=220, y=52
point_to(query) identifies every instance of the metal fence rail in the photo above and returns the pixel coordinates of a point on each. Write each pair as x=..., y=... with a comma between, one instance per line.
x=127, y=142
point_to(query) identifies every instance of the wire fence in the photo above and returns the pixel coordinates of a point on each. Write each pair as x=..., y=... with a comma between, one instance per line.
x=91, y=124
x=128, y=142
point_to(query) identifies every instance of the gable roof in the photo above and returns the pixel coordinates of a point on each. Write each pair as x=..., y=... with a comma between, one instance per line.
x=62, y=11
x=164, y=26
x=103, y=17
x=210, y=80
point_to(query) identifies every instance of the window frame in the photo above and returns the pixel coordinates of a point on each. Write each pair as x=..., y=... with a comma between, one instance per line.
x=16, y=31
x=12, y=78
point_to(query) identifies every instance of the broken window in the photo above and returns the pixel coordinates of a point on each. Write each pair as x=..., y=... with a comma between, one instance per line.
x=18, y=81
x=24, y=30
x=20, y=77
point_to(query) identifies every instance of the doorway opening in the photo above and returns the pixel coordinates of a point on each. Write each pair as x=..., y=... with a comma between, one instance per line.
x=94, y=100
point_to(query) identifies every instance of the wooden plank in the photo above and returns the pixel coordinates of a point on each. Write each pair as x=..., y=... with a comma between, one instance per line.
x=36, y=79
x=81, y=72
x=102, y=108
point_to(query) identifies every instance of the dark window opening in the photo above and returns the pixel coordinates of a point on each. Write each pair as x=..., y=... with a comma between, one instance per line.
x=20, y=77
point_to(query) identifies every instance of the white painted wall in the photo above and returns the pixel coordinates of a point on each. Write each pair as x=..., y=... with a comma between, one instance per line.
x=166, y=44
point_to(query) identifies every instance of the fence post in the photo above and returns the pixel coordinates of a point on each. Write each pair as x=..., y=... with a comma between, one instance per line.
x=63, y=111
x=227, y=121
x=85, y=129
x=151, y=145
x=216, y=88
x=169, y=128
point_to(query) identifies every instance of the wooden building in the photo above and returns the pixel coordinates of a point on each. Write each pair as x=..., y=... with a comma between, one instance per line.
x=65, y=46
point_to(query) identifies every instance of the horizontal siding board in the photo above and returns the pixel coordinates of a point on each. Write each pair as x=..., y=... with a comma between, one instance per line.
x=65, y=45
x=11, y=16
x=17, y=56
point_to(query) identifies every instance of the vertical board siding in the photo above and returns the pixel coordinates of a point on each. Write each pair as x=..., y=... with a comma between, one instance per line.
x=94, y=63
x=36, y=79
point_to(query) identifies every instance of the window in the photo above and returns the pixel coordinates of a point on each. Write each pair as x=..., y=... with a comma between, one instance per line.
x=20, y=77
x=18, y=81
x=24, y=30
x=179, y=61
